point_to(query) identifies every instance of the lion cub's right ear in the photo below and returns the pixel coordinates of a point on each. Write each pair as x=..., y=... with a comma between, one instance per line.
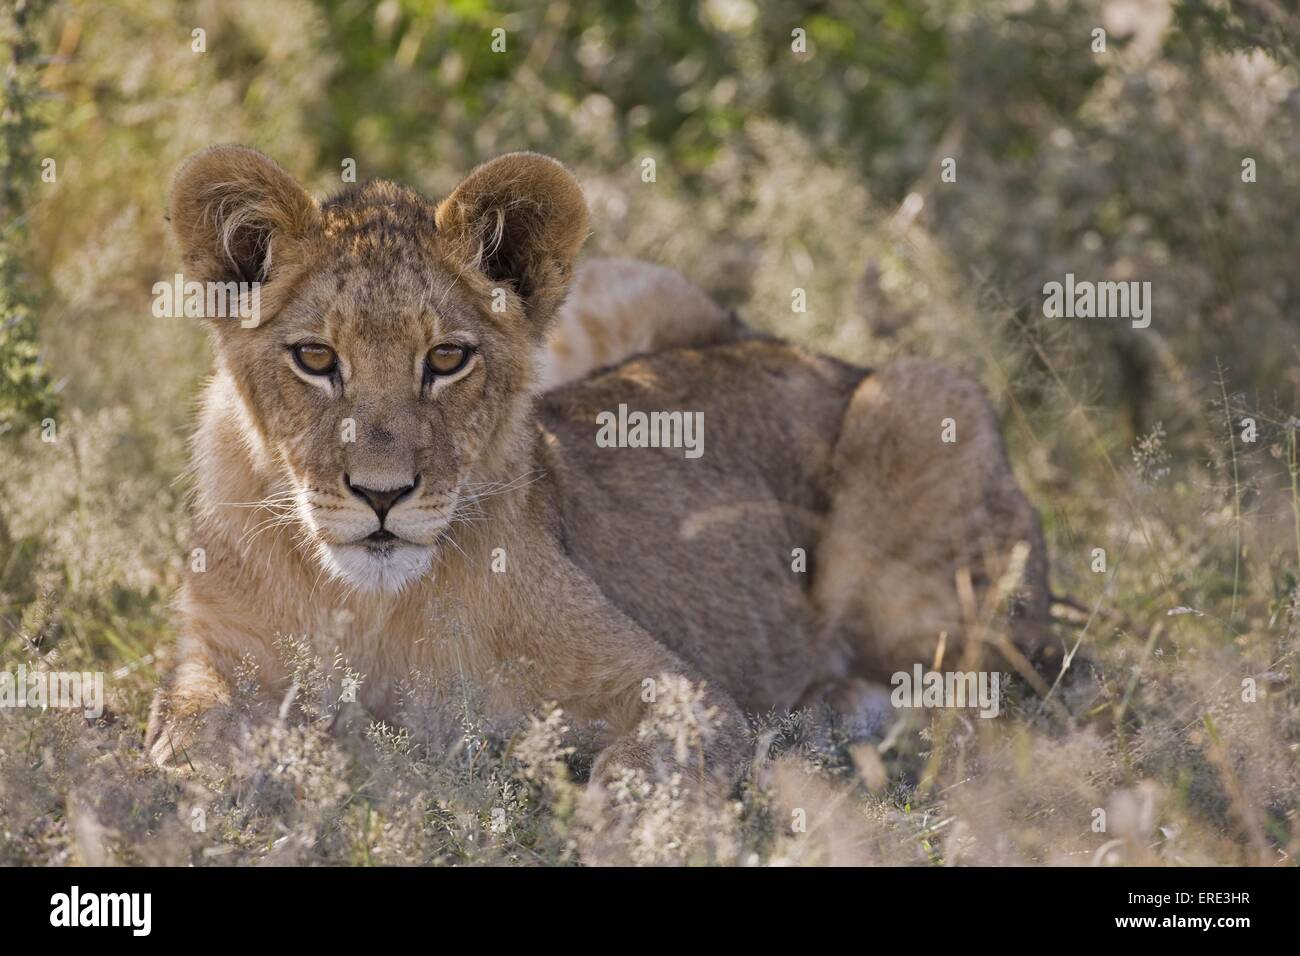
x=235, y=212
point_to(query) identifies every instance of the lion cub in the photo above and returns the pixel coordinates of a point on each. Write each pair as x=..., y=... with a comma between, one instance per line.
x=618, y=308
x=375, y=472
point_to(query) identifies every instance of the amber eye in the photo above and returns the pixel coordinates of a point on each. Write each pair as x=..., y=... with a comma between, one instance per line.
x=447, y=359
x=315, y=359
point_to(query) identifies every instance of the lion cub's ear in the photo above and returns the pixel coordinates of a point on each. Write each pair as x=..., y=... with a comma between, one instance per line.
x=520, y=219
x=233, y=210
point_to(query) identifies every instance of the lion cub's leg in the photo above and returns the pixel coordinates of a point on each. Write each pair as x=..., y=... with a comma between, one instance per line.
x=184, y=709
x=925, y=519
x=858, y=708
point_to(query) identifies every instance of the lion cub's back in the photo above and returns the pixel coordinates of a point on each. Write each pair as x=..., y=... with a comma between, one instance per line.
x=701, y=550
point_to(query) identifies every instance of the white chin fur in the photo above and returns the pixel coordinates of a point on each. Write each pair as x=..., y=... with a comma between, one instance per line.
x=366, y=569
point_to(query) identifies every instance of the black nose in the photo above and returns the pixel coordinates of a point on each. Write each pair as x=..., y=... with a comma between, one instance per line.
x=381, y=501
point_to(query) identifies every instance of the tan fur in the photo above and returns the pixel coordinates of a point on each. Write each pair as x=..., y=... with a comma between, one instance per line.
x=933, y=513
x=618, y=308
x=623, y=565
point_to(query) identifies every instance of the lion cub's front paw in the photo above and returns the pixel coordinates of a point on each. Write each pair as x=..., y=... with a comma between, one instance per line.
x=185, y=739
x=170, y=745
x=712, y=769
x=625, y=754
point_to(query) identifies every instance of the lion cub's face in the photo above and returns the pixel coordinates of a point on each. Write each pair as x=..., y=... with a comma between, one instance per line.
x=390, y=376
x=379, y=386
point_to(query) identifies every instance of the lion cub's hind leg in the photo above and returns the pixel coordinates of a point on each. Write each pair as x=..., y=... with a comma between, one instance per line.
x=926, y=521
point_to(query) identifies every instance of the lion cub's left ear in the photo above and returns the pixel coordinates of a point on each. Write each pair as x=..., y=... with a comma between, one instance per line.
x=520, y=220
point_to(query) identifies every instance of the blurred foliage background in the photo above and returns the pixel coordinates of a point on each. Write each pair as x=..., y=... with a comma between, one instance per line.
x=775, y=169
x=780, y=164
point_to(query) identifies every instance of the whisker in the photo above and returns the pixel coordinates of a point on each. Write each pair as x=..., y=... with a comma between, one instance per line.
x=254, y=532
x=279, y=498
